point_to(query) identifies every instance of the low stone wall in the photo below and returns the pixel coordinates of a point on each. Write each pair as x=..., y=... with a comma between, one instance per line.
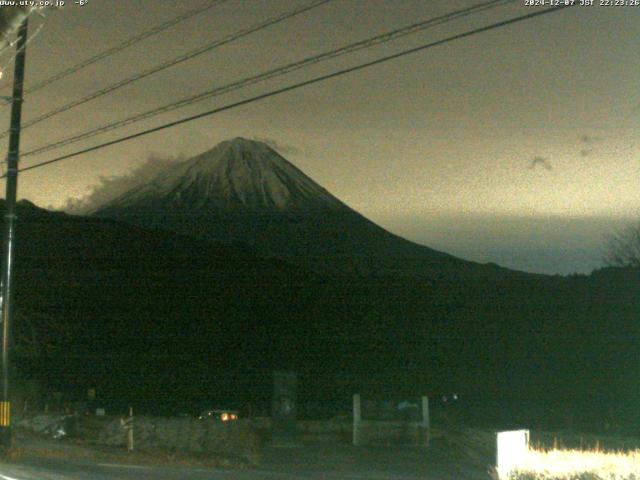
x=340, y=430
x=309, y=431
x=392, y=433
x=39, y=423
x=326, y=431
x=184, y=434
x=239, y=437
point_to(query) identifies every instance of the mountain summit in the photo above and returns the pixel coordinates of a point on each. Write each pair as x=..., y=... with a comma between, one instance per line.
x=240, y=174
x=243, y=191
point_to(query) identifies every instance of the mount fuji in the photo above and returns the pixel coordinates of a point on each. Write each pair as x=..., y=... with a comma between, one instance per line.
x=243, y=191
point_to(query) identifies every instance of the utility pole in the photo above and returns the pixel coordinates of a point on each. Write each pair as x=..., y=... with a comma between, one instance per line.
x=10, y=217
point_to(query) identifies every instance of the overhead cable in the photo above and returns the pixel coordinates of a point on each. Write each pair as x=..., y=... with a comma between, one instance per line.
x=121, y=46
x=170, y=63
x=298, y=85
x=277, y=72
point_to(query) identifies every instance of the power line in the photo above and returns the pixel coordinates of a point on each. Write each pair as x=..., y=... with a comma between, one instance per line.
x=370, y=42
x=296, y=86
x=170, y=63
x=126, y=44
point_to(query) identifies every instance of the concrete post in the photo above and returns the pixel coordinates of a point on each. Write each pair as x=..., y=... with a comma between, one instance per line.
x=426, y=420
x=284, y=408
x=6, y=284
x=130, y=432
x=357, y=418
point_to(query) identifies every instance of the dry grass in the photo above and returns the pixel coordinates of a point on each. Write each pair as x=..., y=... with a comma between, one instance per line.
x=578, y=465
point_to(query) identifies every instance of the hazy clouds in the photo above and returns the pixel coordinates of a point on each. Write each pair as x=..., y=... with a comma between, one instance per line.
x=112, y=187
x=541, y=244
x=588, y=142
x=540, y=162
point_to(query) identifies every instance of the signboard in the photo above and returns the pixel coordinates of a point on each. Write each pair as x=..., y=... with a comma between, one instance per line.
x=512, y=447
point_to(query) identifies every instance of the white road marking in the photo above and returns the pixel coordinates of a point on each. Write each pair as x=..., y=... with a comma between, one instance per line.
x=121, y=465
x=6, y=477
x=152, y=467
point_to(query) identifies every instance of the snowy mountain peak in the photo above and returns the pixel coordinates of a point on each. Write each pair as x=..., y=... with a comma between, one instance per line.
x=236, y=174
x=243, y=192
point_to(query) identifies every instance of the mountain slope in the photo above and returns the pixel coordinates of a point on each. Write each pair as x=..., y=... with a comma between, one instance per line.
x=236, y=175
x=242, y=191
x=156, y=318
x=122, y=308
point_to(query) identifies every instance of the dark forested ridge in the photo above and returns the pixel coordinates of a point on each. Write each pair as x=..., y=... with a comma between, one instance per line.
x=158, y=318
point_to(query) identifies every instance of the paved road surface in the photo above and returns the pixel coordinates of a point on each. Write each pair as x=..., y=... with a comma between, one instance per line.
x=306, y=463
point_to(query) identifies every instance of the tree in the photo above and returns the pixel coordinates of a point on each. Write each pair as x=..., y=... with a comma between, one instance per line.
x=623, y=249
x=39, y=337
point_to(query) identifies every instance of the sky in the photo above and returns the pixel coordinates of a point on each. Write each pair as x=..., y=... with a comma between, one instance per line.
x=517, y=146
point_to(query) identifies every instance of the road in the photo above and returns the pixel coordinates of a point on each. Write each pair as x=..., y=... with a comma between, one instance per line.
x=306, y=463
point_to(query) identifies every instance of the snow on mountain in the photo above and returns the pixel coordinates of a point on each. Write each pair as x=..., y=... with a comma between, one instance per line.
x=237, y=174
x=243, y=191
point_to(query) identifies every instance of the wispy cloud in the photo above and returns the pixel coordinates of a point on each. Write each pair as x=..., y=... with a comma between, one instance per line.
x=590, y=139
x=112, y=187
x=589, y=144
x=540, y=162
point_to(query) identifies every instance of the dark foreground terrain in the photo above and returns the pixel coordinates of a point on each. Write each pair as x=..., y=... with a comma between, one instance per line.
x=41, y=459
